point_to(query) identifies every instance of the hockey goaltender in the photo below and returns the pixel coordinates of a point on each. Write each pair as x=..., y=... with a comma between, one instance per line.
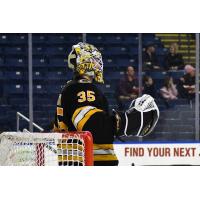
x=81, y=106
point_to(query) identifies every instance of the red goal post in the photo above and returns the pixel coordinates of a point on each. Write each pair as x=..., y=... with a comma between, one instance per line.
x=43, y=149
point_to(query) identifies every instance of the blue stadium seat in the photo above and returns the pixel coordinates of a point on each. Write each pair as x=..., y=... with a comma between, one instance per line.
x=14, y=89
x=161, y=51
x=71, y=39
x=42, y=100
x=58, y=62
x=114, y=39
x=57, y=39
x=157, y=41
x=148, y=36
x=19, y=39
x=109, y=62
x=96, y=39
x=40, y=114
x=24, y=109
x=56, y=51
x=157, y=75
x=3, y=109
x=113, y=75
x=39, y=51
x=54, y=88
x=4, y=38
x=40, y=39
x=56, y=75
x=1, y=75
x=38, y=75
x=176, y=74
x=117, y=50
x=2, y=61
x=69, y=75
x=40, y=62
x=134, y=50
x=15, y=51
x=11, y=114
x=105, y=88
x=15, y=75
x=130, y=40
x=39, y=89
x=19, y=101
x=122, y=62
x=74, y=38
x=16, y=62
x=49, y=108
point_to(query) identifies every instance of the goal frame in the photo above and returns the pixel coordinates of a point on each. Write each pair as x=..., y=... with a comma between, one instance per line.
x=86, y=136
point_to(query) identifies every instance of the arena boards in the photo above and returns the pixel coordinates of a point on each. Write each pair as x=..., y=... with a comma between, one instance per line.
x=158, y=154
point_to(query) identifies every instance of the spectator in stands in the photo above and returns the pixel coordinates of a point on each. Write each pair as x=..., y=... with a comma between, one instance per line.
x=187, y=83
x=149, y=86
x=150, y=61
x=127, y=89
x=169, y=92
x=173, y=60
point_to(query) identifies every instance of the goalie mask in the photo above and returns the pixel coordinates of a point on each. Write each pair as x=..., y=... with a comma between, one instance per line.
x=141, y=117
x=85, y=59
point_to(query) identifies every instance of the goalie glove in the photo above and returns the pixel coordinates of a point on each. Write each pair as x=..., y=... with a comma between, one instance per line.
x=140, y=119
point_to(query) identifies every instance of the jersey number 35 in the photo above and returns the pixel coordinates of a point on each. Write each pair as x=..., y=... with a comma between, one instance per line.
x=86, y=96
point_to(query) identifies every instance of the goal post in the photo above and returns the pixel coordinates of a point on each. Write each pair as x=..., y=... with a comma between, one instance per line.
x=46, y=149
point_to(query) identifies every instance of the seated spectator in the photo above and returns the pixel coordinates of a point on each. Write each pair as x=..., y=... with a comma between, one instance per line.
x=150, y=61
x=128, y=88
x=169, y=92
x=187, y=83
x=148, y=86
x=173, y=60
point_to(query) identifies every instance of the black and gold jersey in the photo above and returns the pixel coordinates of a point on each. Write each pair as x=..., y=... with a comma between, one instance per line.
x=74, y=97
x=81, y=106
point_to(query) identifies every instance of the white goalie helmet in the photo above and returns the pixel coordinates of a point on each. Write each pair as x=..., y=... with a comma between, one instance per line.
x=149, y=113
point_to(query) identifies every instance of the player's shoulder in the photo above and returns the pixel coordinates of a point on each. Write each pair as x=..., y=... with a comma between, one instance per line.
x=67, y=85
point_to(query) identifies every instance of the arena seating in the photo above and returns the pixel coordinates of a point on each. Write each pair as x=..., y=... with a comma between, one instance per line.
x=50, y=73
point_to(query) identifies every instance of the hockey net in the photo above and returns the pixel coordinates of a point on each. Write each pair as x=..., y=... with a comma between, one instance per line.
x=46, y=149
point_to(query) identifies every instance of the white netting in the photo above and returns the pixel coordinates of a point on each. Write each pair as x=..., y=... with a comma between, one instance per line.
x=44, y=149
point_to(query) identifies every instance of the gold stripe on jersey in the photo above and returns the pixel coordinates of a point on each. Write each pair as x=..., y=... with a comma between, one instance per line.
x=76, y=112
x=103, y=146
x=105, y=157
x=82, y=122
x=55, y=128
x=59, y=111
x=62, y=126
x=104, y=152
x=79, y=119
